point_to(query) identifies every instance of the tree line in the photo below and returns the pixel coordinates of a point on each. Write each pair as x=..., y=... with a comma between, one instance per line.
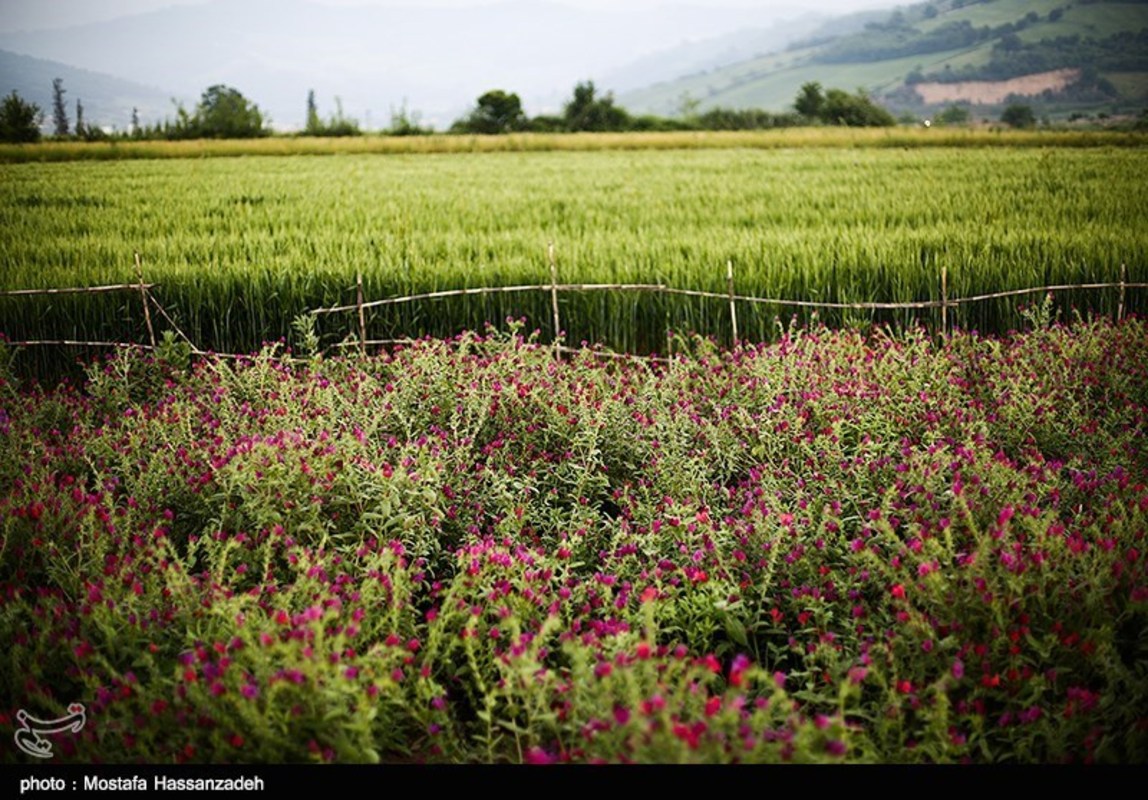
x=223, y=112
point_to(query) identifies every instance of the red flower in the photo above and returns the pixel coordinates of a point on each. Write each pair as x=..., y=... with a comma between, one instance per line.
x=713, y=706
x=898, y=591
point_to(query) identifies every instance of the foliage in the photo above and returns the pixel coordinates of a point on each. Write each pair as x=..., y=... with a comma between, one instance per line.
x=743, y=119
x=496, y=112
x=19, y=120
x=59, y=110
x=1018, y=115
x=405, y=122
x=1011, y=56
x=954, y=115
x=840, y=547
x=589, y=111
x=838, y=107
x=222, y=113
x=810, y=100
x=338, y=125
x=313, y=124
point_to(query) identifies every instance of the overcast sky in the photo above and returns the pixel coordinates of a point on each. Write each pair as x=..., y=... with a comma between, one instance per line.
x=32, y=14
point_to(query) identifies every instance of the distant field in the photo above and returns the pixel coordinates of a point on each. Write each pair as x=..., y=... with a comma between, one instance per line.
x=239, y=247
x=565, y=142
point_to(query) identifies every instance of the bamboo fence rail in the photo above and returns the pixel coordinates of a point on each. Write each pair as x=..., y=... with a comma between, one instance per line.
x=553, y=288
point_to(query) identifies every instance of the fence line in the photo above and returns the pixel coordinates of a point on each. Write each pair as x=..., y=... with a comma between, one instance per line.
x=658, y=288
x=120, y=287
x=553, y=288
x=75, y=343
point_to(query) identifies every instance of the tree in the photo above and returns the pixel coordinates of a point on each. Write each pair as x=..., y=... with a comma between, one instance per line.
x=135, y=122
x=19, y=120
x=338, y=125
x=810, y=102
x=588, y=112
x=954, y=115
x=59, y=112
x=314, y=125
x=223, y=113
x=79, y=118
x=1018, y=115
x=497, y=112
x=405, y=122
x=838, y=107
x=854, y=110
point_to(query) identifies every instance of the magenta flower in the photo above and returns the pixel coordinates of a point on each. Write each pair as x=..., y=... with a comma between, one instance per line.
x=536, y=755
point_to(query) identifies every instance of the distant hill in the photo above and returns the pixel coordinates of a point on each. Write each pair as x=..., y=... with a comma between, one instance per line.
x=374, y=57
x=903, y=56
x=108, y=101
x=712, y=53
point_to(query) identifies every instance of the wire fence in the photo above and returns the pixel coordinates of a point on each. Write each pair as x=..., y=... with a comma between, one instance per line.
x=361, y=340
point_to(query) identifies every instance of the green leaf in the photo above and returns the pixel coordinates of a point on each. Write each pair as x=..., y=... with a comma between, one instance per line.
x=736, y=630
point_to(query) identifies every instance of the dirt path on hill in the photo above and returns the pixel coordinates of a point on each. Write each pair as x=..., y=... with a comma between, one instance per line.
x=991, y=92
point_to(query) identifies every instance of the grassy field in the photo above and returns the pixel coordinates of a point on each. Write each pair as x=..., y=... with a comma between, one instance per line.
x=240, y=247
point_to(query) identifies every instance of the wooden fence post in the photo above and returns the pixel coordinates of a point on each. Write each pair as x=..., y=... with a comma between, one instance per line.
x=143, y=298
x=1123, y=280
x=732, y=306
x=944, y=299
x=362, y=318
x=554, y=297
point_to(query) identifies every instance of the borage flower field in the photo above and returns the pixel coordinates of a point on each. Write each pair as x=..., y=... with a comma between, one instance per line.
x=838, y=547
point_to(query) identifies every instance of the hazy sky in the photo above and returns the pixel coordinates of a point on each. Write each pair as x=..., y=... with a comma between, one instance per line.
x=32, y=14
x=439, y=61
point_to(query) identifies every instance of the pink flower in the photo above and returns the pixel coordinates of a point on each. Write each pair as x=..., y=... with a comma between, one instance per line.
x=1006, y=514
x=737, y=670
x=536, y=755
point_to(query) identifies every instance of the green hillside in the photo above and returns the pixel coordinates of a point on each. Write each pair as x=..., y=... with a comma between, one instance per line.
x=943, y=41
